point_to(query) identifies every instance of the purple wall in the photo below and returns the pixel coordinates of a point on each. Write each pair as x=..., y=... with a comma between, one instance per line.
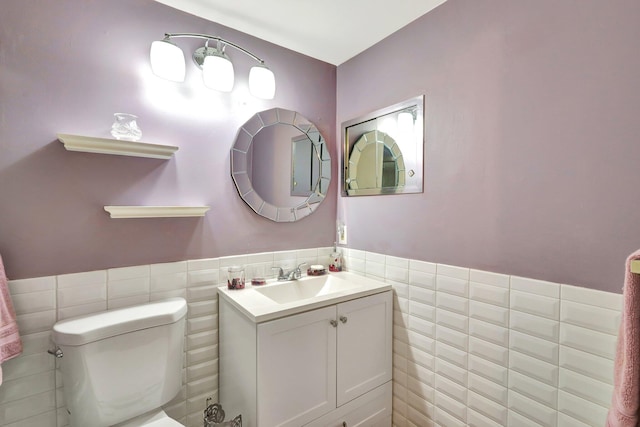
x=532, y=138
x=66, y=67
x=531, y=156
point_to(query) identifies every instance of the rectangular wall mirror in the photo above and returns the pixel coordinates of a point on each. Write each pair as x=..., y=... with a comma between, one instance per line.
x=383, y=151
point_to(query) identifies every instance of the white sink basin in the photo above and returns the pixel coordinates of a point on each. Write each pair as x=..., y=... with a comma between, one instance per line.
x=279, y=299
x=309, y=287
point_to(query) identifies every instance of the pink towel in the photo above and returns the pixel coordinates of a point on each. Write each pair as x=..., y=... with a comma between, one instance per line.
x=626, y=392
x=10, y=343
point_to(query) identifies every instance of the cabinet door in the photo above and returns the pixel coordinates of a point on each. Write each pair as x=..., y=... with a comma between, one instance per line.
x=296, y=368
x=364, y=345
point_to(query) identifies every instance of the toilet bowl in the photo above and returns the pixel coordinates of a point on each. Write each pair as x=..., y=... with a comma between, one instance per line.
x=120, y=366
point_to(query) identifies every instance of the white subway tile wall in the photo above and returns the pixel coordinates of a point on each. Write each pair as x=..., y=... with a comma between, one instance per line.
x=32, y=392
x=471, y=348
x=476, y=348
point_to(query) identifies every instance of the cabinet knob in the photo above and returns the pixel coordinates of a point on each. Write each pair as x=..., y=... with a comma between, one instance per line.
x=334, y=323
x=343, y=319
x=344, y=424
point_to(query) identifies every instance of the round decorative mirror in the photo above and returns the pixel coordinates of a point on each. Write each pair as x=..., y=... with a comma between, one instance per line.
x=280, y=165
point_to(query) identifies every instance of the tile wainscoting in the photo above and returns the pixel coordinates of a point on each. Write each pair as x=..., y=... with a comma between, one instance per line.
x=32, y=392
x=474, y=348
x=470, y=347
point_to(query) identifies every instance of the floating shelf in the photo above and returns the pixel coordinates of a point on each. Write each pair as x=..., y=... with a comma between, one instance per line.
x=155, y=211
x=89, y=144
x=635, y=266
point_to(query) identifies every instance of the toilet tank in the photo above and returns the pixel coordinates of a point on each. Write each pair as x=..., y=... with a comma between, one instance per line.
x=119, y=364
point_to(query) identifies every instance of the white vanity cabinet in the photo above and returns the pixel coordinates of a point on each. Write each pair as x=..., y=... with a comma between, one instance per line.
x=330, y=366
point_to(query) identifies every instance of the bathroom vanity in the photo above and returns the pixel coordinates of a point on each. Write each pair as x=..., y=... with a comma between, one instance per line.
x=310, y=352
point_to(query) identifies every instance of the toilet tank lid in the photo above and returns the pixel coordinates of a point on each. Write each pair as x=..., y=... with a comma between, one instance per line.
x=93, y=327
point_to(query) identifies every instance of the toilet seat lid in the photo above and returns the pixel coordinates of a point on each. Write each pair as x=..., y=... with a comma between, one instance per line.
x=164, y=422
x=159, y=418
x=82, y=330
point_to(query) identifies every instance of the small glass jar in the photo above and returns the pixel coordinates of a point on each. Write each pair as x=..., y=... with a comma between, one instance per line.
x=335, y=261
x=125, y=127
x=258, y=277
x=235, y=277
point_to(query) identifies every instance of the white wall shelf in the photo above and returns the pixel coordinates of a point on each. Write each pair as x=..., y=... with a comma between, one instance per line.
x=635, y=266
x=116, y=147
x=155, y=211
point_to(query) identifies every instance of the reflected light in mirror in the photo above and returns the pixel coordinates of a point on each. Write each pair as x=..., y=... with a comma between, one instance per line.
x=389, y=125
x=405, y=138
x=405, y=122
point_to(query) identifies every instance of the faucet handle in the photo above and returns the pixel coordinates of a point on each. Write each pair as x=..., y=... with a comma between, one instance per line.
x=297, y=272
x=280, y=272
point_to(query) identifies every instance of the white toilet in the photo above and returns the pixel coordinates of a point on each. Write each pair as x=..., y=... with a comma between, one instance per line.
x=120, y=366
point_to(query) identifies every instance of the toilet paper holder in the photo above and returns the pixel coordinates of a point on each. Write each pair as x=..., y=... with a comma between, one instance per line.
x=214, y=416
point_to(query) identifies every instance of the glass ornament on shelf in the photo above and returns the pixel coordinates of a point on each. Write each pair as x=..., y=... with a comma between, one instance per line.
x=125, y=127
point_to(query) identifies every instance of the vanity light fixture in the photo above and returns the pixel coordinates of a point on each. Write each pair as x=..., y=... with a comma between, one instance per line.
x=167, y=62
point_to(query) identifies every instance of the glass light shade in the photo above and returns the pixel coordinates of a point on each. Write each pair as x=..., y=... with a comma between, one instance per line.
x=405, y=122
x=167, y=60
x=262, y=82
x=217, y=72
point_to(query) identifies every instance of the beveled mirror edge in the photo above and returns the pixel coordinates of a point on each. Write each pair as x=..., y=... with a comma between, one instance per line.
x=416, y=100
x=258, y=204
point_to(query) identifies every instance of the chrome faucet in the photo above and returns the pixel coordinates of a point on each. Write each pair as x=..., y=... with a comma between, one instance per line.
x=294, y=274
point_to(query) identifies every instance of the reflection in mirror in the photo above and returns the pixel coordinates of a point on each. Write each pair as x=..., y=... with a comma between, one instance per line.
x=306, y=166
x=383, y=151
x=375, y=162
x=280, y=165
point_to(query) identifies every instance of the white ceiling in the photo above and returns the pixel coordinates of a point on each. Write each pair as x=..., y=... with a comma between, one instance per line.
x=330, y=30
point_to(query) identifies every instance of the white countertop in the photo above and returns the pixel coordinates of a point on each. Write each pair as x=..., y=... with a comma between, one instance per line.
x=259, y=308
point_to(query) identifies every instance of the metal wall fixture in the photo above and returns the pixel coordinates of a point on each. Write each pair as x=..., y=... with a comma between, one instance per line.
x=167, y=62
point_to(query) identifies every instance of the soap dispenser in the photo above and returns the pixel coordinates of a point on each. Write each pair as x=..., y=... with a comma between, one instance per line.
x=335, y=259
